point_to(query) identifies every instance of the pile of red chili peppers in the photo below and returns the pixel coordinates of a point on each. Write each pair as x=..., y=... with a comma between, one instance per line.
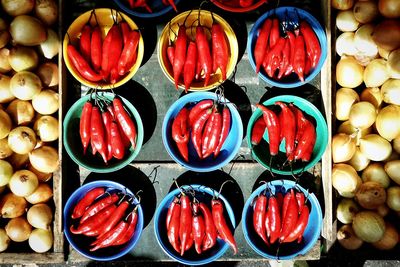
x=295, y=51
x=206, y=124
x=109, y=217
x=107, y=127
x=108, y=60
x=191, y=223
x=240, y=3
x=290, y=124
x=143, y=4
x=193, y=57
x=280, y=218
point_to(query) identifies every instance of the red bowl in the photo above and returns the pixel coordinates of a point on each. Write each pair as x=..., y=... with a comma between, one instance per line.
x=234, y=6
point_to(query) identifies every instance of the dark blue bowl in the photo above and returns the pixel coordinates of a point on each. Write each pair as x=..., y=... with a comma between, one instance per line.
x=157, y=6
x=81, y=243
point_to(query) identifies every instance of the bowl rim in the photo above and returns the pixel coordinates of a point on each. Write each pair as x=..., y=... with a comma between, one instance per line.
x=239, y=9
x=102, y=183
x=309, y=18
x=200, y=96
x=162, y=205
x=122, y=163
x=317, y=116
x=315, y=204
x=145, y=15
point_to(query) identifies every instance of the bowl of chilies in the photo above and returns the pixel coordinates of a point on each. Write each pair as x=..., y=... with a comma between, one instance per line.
x=197, y=50
x=280, y=231
x=239, y=6
x=147, y=8
x=103, y=48
x=103, y=220
x=198, y=211
x=102, y=132
x=202, y=131
x=287, y=134
x=287, y=47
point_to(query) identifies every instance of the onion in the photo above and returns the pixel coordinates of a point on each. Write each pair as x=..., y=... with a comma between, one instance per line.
x=41, y=240
x=389, y=8
x=42, y=194
x=389, y=240
x=5, y=150
x=365, y=11
x=347, y=238
x=371, y=195
x=372, y=95
x=17, y=7
x=345, y=180
x=4, y=65
x=4, y=38
x=376, y=73
x=388, y=122
x=345, y=44
x=347, y=128
x=46, y=102
x=387, y=34
x=5, y=92
x=21, y=111
x=48, y=73
x=393, y=156
x=4, y=240
x=12, y=206
x=3, y=24
x=22, y=139
x=346, y=210
x=392, y=168
x=383, y=53
x=349, y=73
x=18, y=161
x=376, y=173
x=23, y=183
x=359, y=161
x=51, y=46
x=396, y=144
x=364, y=42
x=375, y=147
x=44, y=159
x=40, y=216
x=25, y=85
x=23, y=58
x=369, y=226
x=47, y=11
x=346, y=22
x=345, y=98
x=390, y=91
x=362, y=115
x=5, y=124
x=343, y=147
x=42, y=177
x=27, y=30
x=383, y=210
x=18, y=229
x=6, y=171
x=342, y=4
x=393, y=198
x=393, y=64
x=46, y=127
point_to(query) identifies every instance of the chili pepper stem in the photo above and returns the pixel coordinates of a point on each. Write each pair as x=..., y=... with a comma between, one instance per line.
x=220, y=189
x=180, y=189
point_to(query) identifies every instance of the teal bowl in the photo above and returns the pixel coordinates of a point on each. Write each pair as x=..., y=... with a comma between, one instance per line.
x=260, y=152
x=73, y=145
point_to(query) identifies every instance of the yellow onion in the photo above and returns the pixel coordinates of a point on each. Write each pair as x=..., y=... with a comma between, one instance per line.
x=27, y=30
x=5, y=92
x=345, y=180
x=371, y=195
x=5, y=124
x=396, y=144
x=5, y=150
x=46, y=11
x=23, y=183
x=365, y=11
x=389, y=240
x=345, y=98
x=369, y=226
x=342, y=4
x=383, y=53
x=4, y=38
x=21, y=111
x=347, y=238
x=393, y=63
x=18, y=161
x=4, y=65
x=48, y=74
x=362, y=115
x=346, y=22
x=364, y=42
x=42, y=176
x=4, y=240
x=6, y=171
x=375, y=147
x=349, y=73
x=44, y=159
x=388, y=122
x=343, y=147
x=392, y=168
x=25, y=85
x=22, y=139
x=372, y=95
x=46, y=127
x=359, y=161
x=375, y=172
x=50, y=47
x=42, y=194
x=347, y=128
x=17, y=7
x=41, y=240
x=40, y=216
x=383, y=210
x=18, y=229
x=389, y=8
x=393, y=198
x=376, y=73
x=346, y=210
x=12, y=206
x=23, y=58
x=345, y=43
x=390, y=91
x=46, y=102
x=393, y=156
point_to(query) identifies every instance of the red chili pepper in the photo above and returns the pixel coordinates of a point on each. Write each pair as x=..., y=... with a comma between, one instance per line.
x=204, y=54
x=171, y=208
x=290, y=217
x=198, y=228
x=96, y=48
x=289, y=131
x=246, y=3
x=285, y=62
x=299, y=57
x=197, y=130
x=198, y=75
x=180, y=132
x=198, y=108
x=180, y=54
x=84, y=41
x=312, y=44
x=107, y=119
x=185, y=228
x=307, y=67
x=210, y=142
x=130, y=231
x=118, y=147
x=300, y=122
x=171, y=54
x=226, y=126
x=84, y=125
x=172, y=3
x=112, y=48
x=274, y=57
x=173, y=229
x=273, y=127
x=258, y=131
x=302, y=221
x=300, y=199
x=279, y=199
x=274, y=34
x=142, y=3
x=111, y=236
x=274, y=218
x=211, y=232
x=114, y=75
x=220, y=49
x=129, y=53
x=125, y=121
x=221, y=225
x=86, y=201
x=307, y=141
x=131, y=3
x=98, y=134
x=125, y=30
x=259, y=214
x=94, y=221
x=292, y=39
x=261, y=45
x=81, y=65
x=190, y=242
x=98, y=206
x=189, y=69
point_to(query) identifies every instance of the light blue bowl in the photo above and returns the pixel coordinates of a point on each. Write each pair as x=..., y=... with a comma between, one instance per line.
x=203, y=194
x=159, y=9
x=81, y=243
x=286, y=251
x=281, y=13
x=229, y=149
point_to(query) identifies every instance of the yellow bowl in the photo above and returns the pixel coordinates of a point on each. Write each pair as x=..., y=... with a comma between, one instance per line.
x=206, y=19
x=105, y=18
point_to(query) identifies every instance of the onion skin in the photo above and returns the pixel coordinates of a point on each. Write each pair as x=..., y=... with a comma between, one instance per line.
x=23, y=58
x=22, y=139
x=347, y=238
x=359, y=161
x=17, y=7
x=42, y=194
x=18, y=229
x=376, y=73
x=5, y=93
x=21, y=111
x=372, y=95
x=25, y=85
x=5, y=124
x=4, y=240
x=371, y=195
x=396, y=144
x=46, y=11
x=365, y=11
x=393, y=198
x=41, y=240
x=383, y=210
x=23, y=183
x=5, y=150
x=44, y=159
x=369, y=226
x=389, y=240
x=389, y=8
x=46, y=102
x=4, y=65
x=40, y=216
x=46, y=127
x=48, y=74
x=349, y=129
x=362, y=115
x=387, y=34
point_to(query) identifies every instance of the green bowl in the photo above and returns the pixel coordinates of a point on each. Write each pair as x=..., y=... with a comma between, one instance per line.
x=73, y=145
x=260, y=152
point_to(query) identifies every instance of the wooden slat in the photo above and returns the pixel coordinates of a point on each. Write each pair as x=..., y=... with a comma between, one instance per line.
x=31, y=258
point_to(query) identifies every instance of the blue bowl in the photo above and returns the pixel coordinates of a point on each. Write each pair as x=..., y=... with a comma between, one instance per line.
x=203, y=194
x=229, y=149
x=159, y=9
x=81, y=243
x=286, y=251
x=288, y=14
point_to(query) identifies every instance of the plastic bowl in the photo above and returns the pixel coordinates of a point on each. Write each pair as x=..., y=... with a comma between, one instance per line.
x=73, y=145
x=81, y=243
x=105, y=18
x=204, y=194
x=291, y=15
x=260, y=152
x=234, y=6
x=290, y=250
x=206, y=19
x=229, y=149
x=158, y=8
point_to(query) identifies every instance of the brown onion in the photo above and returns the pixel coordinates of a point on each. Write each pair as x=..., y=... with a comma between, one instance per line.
x=345, y=180
x=12, y=206
x=393, y=198
x=392, y=168
x=371, y=195
x=42, y=194
x=389, y=8
x=376, y=173
x=346, y=210
x=21, y=111
x=369, y=226
x=18, y=229
x=347, y=238
x=389, y=240
x=387, y=34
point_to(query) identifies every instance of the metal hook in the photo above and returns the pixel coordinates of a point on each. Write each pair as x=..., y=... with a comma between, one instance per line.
x=234, y=162
x=155, y=170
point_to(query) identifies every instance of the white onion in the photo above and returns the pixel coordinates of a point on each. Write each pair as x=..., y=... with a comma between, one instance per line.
x=41, y=240
x=391, y=91
x=375, y=172
x=388, y=122
x=359, y=161
x=349, y=73
x=51, y=46
x=46, y=102
x=343, y=147
x=375, y=147
x=372, y=95
x=363, y=40
x=344, y=99
x=376, y=73
x=23, y=183
x=346, y=22
x=362, y=115
x=345, y=180
x=345, y=44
